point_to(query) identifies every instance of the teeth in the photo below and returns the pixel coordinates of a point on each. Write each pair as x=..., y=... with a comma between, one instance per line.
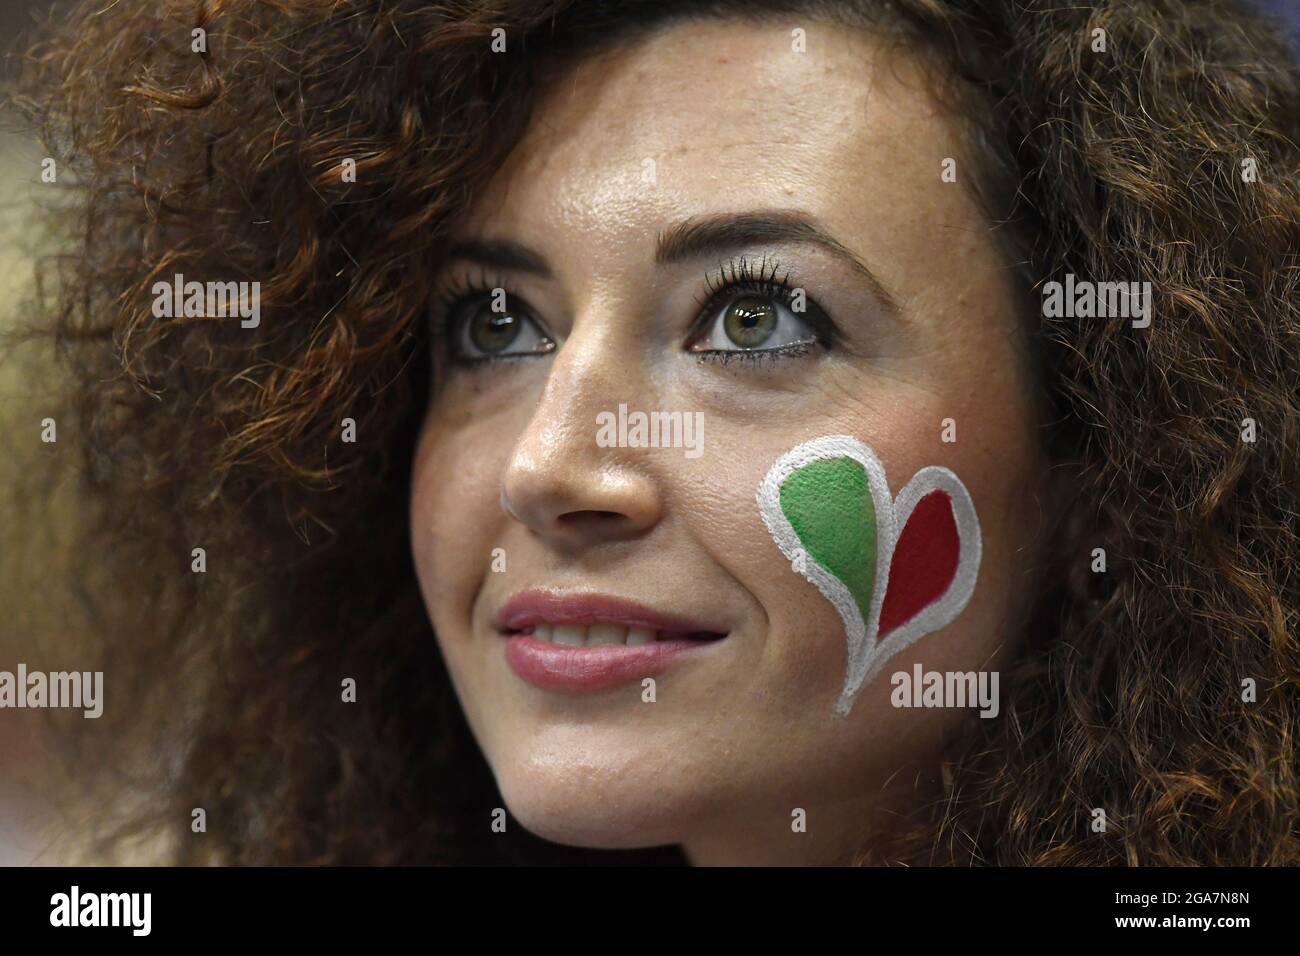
x=606, y=634
x=568, y=634
x=577, y=635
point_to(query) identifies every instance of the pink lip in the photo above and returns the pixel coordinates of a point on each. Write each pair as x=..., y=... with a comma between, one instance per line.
x=546, y=607
x=561, y=667
x=564, y=667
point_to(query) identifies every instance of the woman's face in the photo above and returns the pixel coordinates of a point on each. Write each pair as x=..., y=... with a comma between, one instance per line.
x=522, y=516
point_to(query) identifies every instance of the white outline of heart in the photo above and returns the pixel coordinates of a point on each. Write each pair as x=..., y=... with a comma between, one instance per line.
x=866, y=655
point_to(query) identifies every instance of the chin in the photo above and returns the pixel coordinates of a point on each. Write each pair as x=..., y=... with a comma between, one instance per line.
x=593, y=805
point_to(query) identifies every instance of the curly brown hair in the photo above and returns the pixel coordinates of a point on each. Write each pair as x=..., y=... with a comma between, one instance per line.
x=198, y=433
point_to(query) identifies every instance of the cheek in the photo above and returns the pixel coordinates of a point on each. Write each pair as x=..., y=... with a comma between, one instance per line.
x=779, y=732
x=807, y=652
x=454, y=515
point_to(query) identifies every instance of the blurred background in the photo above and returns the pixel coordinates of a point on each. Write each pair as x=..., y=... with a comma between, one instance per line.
x=35, y=598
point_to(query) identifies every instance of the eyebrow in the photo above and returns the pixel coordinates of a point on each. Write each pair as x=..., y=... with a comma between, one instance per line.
x=501, y=254
x=711, y=235
x=693, y=238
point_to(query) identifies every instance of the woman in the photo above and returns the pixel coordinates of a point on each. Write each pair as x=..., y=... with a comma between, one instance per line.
x=348, y=549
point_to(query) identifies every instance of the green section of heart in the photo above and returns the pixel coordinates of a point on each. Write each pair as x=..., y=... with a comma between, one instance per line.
x=828, y=503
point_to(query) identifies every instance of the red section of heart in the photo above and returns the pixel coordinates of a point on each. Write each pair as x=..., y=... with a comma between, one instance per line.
x=924, y=562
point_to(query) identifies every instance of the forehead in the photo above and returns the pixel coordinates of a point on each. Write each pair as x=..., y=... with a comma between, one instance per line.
x=717, y=116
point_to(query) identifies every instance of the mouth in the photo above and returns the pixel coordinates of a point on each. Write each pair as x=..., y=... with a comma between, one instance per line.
x=584, y=641
x=609, y=635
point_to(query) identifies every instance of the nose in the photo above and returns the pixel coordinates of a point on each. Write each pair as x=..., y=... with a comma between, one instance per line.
x=558, y=481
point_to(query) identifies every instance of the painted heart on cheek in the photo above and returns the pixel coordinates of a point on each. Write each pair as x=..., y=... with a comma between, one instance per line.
x=828, y=504
x=924, y=562
x=895, y=569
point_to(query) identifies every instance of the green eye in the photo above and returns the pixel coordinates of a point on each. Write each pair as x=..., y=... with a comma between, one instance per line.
x=749, y=321
x=755, y=321
x=479, y=333
x=492, y=332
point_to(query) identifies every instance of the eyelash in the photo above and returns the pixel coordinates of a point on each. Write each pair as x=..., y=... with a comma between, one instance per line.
x=744, y=276
x=451, y=295
x=732, y=278
x=754, y=357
